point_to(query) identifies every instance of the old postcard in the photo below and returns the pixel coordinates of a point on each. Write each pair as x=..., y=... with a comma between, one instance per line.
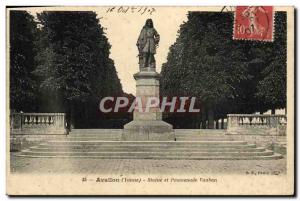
x=146, y=100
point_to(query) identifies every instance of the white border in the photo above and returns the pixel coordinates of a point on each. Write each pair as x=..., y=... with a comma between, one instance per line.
x=5, y=3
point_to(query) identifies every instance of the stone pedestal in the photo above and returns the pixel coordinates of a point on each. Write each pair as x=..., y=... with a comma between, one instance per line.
x=147, y=125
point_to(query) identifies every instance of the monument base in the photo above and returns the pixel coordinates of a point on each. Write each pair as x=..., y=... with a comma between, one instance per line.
x=139, y=130
x=147, y=125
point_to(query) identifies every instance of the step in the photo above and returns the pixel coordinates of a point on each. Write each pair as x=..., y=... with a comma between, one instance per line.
x=146, y=149
x=103, y=144
x=93, y=134
x=89, y=132
x=178, y=138
x=186, y=153
x=187, y=144
x=147, y=143
x=95, y=131
x=200, y=131
x=200, y=138
x=133, y=146
x=102, y=138
x=179, y=157
x=176, y=130
x=199, y=134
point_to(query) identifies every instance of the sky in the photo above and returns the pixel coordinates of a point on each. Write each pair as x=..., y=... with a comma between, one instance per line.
x=123, y=29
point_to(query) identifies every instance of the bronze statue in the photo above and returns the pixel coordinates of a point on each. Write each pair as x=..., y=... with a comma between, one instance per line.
x=147, y=44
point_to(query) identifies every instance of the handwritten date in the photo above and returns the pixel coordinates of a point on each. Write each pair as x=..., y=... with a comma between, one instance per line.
x=131, y=9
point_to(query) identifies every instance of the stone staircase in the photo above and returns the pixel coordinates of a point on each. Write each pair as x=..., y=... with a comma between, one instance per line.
x=107, y=144
x=95, y=134
x=200, y=135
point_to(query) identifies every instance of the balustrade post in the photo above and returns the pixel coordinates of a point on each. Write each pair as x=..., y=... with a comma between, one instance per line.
x=232, y=123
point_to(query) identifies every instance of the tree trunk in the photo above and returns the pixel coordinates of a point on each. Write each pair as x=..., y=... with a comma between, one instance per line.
x=222, y=123
x=210, y=119
x=217, y=123
x=72, y=115
x=86, y=122
x=68, y=117
x=273, y=111
x=203, y=119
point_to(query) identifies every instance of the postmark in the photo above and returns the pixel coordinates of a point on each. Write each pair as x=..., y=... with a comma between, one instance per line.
x=254, y=23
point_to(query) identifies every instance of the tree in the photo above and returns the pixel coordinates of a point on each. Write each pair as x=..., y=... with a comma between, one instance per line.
x=23, y=32
x=74, y=64
x=226, y=75
x=201, y=62
x=272, y=88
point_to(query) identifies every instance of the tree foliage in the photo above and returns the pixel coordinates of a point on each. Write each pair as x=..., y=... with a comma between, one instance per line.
x=74, y=65
x=272, y=87
x=23, y=33
x=226, y=75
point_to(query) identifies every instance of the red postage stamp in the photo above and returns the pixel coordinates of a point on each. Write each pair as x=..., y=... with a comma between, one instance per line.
x=254, y=23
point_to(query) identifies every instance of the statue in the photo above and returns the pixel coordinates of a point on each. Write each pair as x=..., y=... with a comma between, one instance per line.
x=147, y=44
x=147, y=124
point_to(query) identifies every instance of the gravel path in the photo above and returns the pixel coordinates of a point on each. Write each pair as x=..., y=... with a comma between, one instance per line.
x=139, y=166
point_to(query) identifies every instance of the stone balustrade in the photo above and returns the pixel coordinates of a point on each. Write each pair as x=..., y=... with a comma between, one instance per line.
x=38, y=123
x=256, y=124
